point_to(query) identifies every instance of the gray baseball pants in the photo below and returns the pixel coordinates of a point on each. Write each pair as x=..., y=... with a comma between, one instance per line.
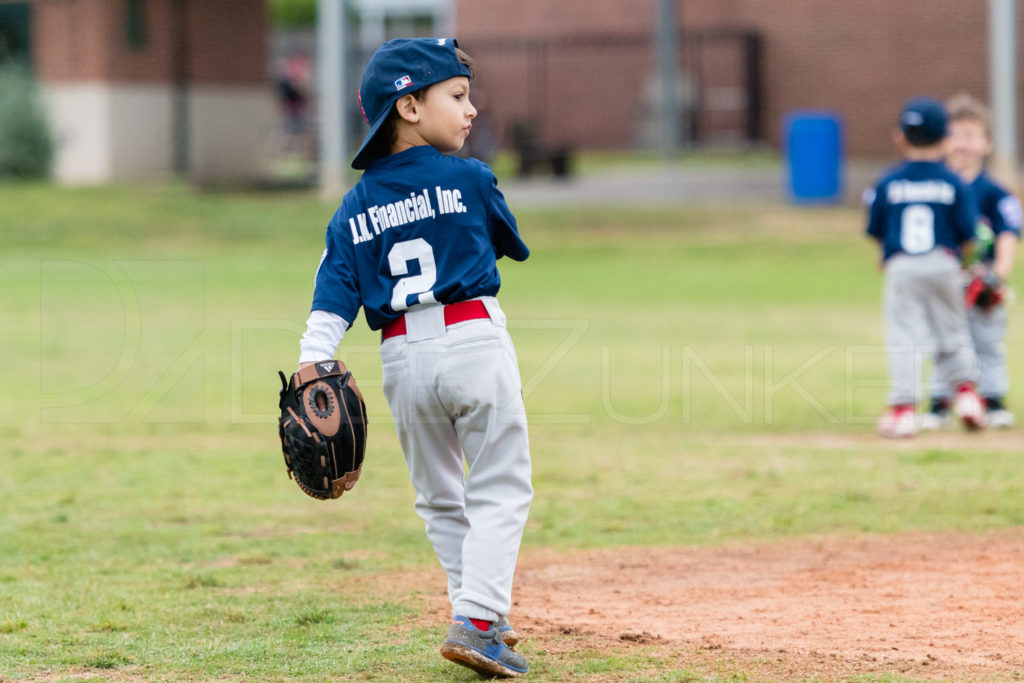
x=456, y=394
x=924, y=314
x=988, y=332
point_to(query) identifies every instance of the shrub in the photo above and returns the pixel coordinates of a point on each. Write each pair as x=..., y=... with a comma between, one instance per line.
x=26, y=145
x=292, y=13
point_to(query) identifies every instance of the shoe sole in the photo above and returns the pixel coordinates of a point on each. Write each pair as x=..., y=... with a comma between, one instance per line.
x=972, y=423
x=897, y=426
x=902, y=433
x=970, y=411
x=934, y=424
x=510, y=638
x=997, y=421
x=470, y=658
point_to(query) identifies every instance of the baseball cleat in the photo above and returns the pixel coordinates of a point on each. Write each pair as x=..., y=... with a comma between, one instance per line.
x=996, y=414
x=938, y=416
x=933, y=422
x=969, y=408
x=508, y=634
x=898, y=422
x=482, y=651
x=1000, y=419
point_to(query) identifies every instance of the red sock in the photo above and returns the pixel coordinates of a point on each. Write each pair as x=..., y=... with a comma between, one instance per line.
x=481, y=624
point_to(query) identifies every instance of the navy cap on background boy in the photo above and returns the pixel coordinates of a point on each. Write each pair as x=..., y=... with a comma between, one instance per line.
x=923, y=121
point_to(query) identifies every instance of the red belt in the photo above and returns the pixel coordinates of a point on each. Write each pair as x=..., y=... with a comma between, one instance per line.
x=460, y=312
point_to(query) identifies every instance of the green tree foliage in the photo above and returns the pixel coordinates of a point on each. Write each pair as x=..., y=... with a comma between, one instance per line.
x=292, y=13
x=26, y=144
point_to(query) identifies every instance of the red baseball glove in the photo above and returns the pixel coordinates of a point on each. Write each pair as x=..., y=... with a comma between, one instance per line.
x=984, y=291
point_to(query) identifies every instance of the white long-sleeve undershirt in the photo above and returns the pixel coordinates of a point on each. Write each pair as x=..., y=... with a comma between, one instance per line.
x=324, y=331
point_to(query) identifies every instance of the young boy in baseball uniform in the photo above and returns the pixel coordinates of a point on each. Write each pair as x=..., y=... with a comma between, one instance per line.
x=923, y=216
x=415, y=245
x=997, y=232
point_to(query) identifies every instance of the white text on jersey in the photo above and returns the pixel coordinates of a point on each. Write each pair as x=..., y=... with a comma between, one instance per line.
x=927, y=191
x=416, y=207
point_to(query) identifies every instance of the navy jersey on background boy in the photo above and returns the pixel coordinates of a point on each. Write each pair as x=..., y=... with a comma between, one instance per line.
x=999, y=210
x=921, y=205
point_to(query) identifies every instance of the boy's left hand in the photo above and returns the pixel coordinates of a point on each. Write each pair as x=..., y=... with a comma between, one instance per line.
x=322, y=428
x=985, y=289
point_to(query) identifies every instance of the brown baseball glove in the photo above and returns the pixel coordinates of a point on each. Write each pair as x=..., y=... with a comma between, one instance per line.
x=322, y=428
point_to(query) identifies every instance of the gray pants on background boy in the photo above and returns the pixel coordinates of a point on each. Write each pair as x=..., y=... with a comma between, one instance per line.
x=988, y=333
x=924, y=310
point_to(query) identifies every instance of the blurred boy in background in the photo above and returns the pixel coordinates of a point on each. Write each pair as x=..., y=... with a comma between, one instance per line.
x=923, y=217
x=997, y=232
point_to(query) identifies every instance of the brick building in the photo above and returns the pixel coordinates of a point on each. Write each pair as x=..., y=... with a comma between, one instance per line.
x=149, y=88
x=739, y=58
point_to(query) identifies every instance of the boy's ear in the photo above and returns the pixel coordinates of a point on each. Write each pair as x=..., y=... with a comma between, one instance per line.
x=899, y=140
x=407, y=107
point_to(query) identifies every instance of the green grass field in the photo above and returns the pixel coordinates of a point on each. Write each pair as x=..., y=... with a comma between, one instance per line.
x=149, y=532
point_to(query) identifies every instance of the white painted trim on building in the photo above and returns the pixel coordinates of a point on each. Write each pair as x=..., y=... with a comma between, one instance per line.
x=232, y=131
x=80, y=119
x=107, y=132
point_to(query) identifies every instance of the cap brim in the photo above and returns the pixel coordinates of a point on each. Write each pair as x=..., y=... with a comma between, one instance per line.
x=368, y=152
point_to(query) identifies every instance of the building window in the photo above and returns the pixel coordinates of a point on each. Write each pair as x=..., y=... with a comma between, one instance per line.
x=135, y=23
x=15, y=32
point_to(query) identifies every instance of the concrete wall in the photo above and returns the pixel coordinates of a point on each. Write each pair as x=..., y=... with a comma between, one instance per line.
x=110, y=100
x=231, y=131
x=126, y=131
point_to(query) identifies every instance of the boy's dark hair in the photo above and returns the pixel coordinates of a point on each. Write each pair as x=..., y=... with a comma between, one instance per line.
x=388, y=132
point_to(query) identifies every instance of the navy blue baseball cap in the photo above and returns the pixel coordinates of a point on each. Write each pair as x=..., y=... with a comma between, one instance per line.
x=923, y=121
x=399, y=67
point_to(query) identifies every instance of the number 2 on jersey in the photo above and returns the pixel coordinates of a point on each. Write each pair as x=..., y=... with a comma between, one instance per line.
x=419, y=285
x=917, y=229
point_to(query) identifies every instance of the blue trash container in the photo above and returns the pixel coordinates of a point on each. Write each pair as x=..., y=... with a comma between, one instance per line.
x=814, y=156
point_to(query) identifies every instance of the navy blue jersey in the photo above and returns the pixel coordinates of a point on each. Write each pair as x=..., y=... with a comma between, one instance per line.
x=998, y=212
x=419, y=227
x=921, y=205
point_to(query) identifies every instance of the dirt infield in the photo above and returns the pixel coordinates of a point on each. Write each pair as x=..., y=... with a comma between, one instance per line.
x=929, y=606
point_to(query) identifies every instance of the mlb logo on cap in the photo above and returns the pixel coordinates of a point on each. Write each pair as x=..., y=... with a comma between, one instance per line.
x=395, y=67
x=912, y=118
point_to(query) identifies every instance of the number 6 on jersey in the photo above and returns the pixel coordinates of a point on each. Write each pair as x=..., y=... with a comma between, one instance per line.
x=414, y=285
x=917, y=229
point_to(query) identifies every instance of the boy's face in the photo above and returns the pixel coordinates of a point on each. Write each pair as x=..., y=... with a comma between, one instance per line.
x=968, y=145
x=446, y=115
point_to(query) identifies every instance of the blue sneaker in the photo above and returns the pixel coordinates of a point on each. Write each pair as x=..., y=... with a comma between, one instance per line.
x=482, y=651
x=507, y=633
